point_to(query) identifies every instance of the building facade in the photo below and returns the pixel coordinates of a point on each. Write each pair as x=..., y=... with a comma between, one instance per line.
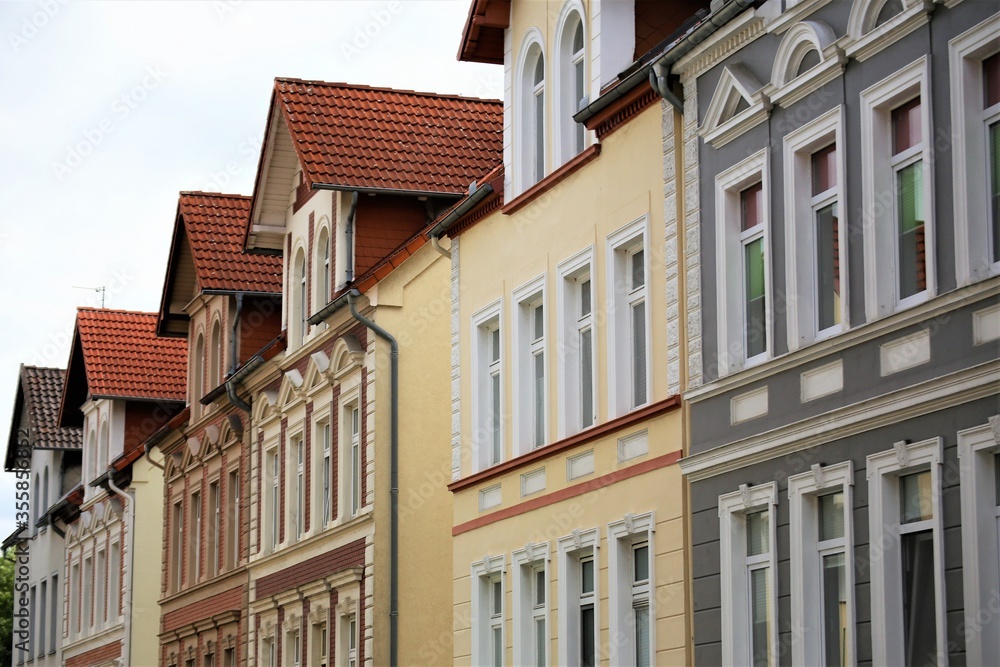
x=336, y=444
x=46, y=459
x=227, y=305
x=123, y=383
x=569, y=529
x=844, y=316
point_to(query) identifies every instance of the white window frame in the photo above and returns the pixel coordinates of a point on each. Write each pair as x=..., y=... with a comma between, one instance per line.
x=800, y=226
x=571, y=326
x=101, y=589
x=484, y=573
x=177, y=547
x=623, y=591
x=621, y=246
x=232, y=517
x=294, y=644
x=195, y=518
x=527, y=348
x=884, y=470
x=353, y=470
x=484, y=322
x=806, y=553
x=273, y=506
x=526, y=562
x=526, y=98
x=324, y=281
x=298, y=451
x=320, y=643
x=729, y=243
x=324, y=435
x=977, y=447
x=733, y=507
x=879, y=175
x=970, y=167
x=864, y=39
x=351, y=645
x=571, y=551
x=214, y=504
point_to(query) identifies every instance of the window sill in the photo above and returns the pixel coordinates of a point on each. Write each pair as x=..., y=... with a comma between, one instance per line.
x=550, y=181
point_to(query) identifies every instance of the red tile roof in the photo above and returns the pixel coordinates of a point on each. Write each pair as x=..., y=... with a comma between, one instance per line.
x=379, y=138
x=124, y=358
x=215, y=225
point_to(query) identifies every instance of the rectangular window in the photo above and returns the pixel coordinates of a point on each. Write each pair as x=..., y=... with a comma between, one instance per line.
x=827, y=235
x=88, y=595
x=300, y=487
x=32, y=612
x=232, y=518
x=229, y=657
x=55, y=615
x=487, y=388
x=214, y=528
x=177, y=548
x=496, y=621
x=748, y=566
x=585, y=602
x=908, y=614
x=991, y=118
x=529, y=369
x=295, y=650
x=195, y=523
x=577, y=409
x=74, y=599
x=270, y=653
x=755, y=300
x=640, y=603
x=538, y=596
x=629, y=326
x=319, y=645
x=531, y=606
x=833, y=576
x=209, y=660
x=274, y=507
x=907, y=164
x=356, y=472
x=43, y=601
x=326, y=490
x=352, y=641
x=114, y=587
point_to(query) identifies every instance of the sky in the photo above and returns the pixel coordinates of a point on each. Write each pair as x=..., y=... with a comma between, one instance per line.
x=109, y=109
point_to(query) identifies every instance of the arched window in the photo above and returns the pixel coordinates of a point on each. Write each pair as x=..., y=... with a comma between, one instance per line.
x=532, y=126
x=215, y=356
x=572, y=85
x=324, y=268
x=198, y=371
x=45, y=489
x=37, y=504
x=300, y=305
x=90, y=455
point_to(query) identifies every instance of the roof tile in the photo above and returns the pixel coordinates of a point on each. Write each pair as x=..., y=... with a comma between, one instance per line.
x=43, y=389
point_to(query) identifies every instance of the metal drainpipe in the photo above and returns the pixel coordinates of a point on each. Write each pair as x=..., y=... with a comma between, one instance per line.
x=393, y=474
x=130, y=500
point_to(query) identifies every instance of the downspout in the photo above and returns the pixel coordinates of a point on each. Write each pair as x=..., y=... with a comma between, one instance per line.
x=393, y=473
x=130, y=525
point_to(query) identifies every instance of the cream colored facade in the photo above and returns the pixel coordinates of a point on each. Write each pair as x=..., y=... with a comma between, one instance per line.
x=571, y=491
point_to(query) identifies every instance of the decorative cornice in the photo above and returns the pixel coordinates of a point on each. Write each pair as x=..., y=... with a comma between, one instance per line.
x=737, y=34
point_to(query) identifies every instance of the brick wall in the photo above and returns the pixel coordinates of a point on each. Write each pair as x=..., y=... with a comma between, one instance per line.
x=317, y=567
x=97, y=656
x=231, y=600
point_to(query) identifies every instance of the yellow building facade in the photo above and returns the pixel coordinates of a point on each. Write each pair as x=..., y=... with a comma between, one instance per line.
x=569, y=529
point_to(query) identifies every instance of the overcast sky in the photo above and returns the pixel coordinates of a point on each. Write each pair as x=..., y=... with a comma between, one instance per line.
x=109, y=109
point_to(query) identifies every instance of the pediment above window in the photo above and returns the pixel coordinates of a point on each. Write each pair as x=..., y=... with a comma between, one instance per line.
x=875, y=24
x=739, y=103
x=807, y=58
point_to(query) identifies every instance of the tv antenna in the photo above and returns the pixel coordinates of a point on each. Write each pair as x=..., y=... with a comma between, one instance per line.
x=102, y=289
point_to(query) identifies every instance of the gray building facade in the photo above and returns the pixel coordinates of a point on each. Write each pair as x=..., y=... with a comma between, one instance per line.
x=841, y=244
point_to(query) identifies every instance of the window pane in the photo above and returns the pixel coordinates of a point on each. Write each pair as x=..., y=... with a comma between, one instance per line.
x=539, y=588
x=539, y=135
x=751, y=203
x=916, y=502
x=906, y=126
x=994, y=167
x=831, y=516
x=539, y=400
x=497, y=596
x=495, y=382
x=538, y=320
x=824, y=169
x=889, y=10
x=996, y=466
x=497, y=647
x=809, y=60
x=579, y=128
x=588, y=648
x=540, y=641
x=827, y=267
x=638, y=354
x=642, y=656
x=495, y=345
x=578, y=38
x=756, y=333
x=758, y=533
x=760, y=626
x=834, y=609
x=919, y=599
x=539, y=71
x=991, y=80
x=638, y=268
x=587, y=576
x=640, y=562
x=586, y=379
x=912, y=248
x=585, y=298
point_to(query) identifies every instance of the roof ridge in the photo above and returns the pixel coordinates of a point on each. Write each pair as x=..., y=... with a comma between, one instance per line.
x=115, y=310
x=42, y=368
x=201, y=193
x=388, y=89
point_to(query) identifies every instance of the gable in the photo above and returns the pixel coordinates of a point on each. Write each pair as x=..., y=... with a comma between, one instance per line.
x=279, y=164
x=738, y=104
